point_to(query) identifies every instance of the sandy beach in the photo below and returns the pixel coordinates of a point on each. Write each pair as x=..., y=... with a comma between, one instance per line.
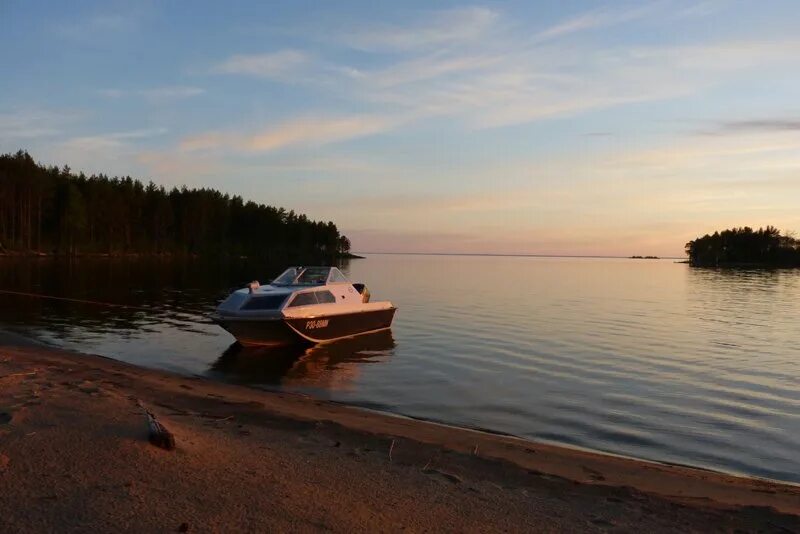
x=75, y=456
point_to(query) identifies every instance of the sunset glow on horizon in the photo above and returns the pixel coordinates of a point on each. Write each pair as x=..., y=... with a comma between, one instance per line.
x=498, y=128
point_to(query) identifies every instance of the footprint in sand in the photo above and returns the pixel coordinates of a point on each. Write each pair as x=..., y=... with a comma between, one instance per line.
x=596, y=476
x=450, y=477
x=603, y=523
x=88, y=387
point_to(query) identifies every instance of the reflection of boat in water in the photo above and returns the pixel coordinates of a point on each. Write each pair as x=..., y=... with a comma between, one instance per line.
x=327, y=366
x=302, y=305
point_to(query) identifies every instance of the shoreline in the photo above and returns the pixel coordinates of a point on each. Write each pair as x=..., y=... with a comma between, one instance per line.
x=56, y=405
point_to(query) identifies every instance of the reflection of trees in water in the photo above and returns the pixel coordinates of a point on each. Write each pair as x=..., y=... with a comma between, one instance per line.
x=331, y=366
x=755, y=279
x=158, y=293
x=714, y=292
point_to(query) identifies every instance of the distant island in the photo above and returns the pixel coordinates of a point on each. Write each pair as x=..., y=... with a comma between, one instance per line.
x=47, y=210
x=644, y=258
x=765, y=247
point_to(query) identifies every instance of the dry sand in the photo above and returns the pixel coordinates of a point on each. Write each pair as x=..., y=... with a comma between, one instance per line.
x=74, y=456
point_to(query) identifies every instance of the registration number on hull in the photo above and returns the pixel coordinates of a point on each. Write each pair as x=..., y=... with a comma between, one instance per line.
x=313, y=325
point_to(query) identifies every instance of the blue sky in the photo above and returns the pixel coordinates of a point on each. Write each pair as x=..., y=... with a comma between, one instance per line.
x=501, y=127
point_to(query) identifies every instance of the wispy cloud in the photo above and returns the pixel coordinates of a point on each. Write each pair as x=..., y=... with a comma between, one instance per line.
x=111, y=152
x=178, y=168
x=205, y=141
x=94, y=27
x=429, y=67
x=447, y=68
x=301, y=131
x=92, y=143
x=729, y=156
x=319, y=131
x=702, y=8
x=519, y=83
x=599, y=18
x=756, y=125
x=275, y=65
x=34, y=123
x=514, y=78
x=434, y=29
x=155, y=94
x=111, y=93
x=172, y=92
x=95, y=23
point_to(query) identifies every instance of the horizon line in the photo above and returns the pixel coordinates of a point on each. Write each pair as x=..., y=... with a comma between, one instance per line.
x=600, y=256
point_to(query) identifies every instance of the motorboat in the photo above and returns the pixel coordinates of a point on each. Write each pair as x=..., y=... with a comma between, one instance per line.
x=302, y=305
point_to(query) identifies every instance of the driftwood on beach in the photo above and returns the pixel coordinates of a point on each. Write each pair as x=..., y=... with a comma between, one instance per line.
x=158, y=434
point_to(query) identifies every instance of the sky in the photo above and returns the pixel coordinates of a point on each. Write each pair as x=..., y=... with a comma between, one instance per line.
x=563, y=127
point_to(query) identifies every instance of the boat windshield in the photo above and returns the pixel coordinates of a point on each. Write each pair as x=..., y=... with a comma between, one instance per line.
x=303, y=276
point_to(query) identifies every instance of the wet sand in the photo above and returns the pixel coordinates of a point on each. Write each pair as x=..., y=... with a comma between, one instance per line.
x=75, y=456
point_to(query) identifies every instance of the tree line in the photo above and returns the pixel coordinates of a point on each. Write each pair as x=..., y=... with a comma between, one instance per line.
x=46, y=209
x=743, y=246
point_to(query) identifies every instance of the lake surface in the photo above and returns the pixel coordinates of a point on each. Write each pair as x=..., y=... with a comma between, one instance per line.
x=647, y=358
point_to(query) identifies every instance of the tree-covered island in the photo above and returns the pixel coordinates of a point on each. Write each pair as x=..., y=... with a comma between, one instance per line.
x=47, y=210
x=766, y=247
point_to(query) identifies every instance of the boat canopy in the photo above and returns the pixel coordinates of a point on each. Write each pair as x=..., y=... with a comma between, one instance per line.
x=310, y=276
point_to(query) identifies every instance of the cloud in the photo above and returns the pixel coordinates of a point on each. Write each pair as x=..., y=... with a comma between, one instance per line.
x=174, y=168
x=702, y=8
x=703, y=152
x=108, y=22
x=92, y=143
x=757, y=125
x=473, y=65
x=111, y=93
x=477, y=66
x=94, y=24
x=34, y=123
x=319, y=131
x=601, y=18
x=204, y=141
x=155, y=94
x=171, y=92
x=515, y=82
x=276, y=65
x=721, y=56
x=301, y=131
x=93, y=28
x=112, y=153
x=429, y=67
x=436, y=29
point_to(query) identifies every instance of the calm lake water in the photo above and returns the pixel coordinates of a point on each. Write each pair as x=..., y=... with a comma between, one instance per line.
x=647, y=358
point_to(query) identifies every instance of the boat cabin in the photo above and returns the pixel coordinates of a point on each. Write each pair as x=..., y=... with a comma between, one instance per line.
x=295, y=287
x=310, y=276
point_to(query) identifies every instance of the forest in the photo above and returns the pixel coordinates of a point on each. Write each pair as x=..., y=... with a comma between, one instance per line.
x=51, y=210
x=745, y=246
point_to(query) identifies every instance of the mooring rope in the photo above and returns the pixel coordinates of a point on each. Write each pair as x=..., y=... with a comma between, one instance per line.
x=80, y=301
x=203, y=320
